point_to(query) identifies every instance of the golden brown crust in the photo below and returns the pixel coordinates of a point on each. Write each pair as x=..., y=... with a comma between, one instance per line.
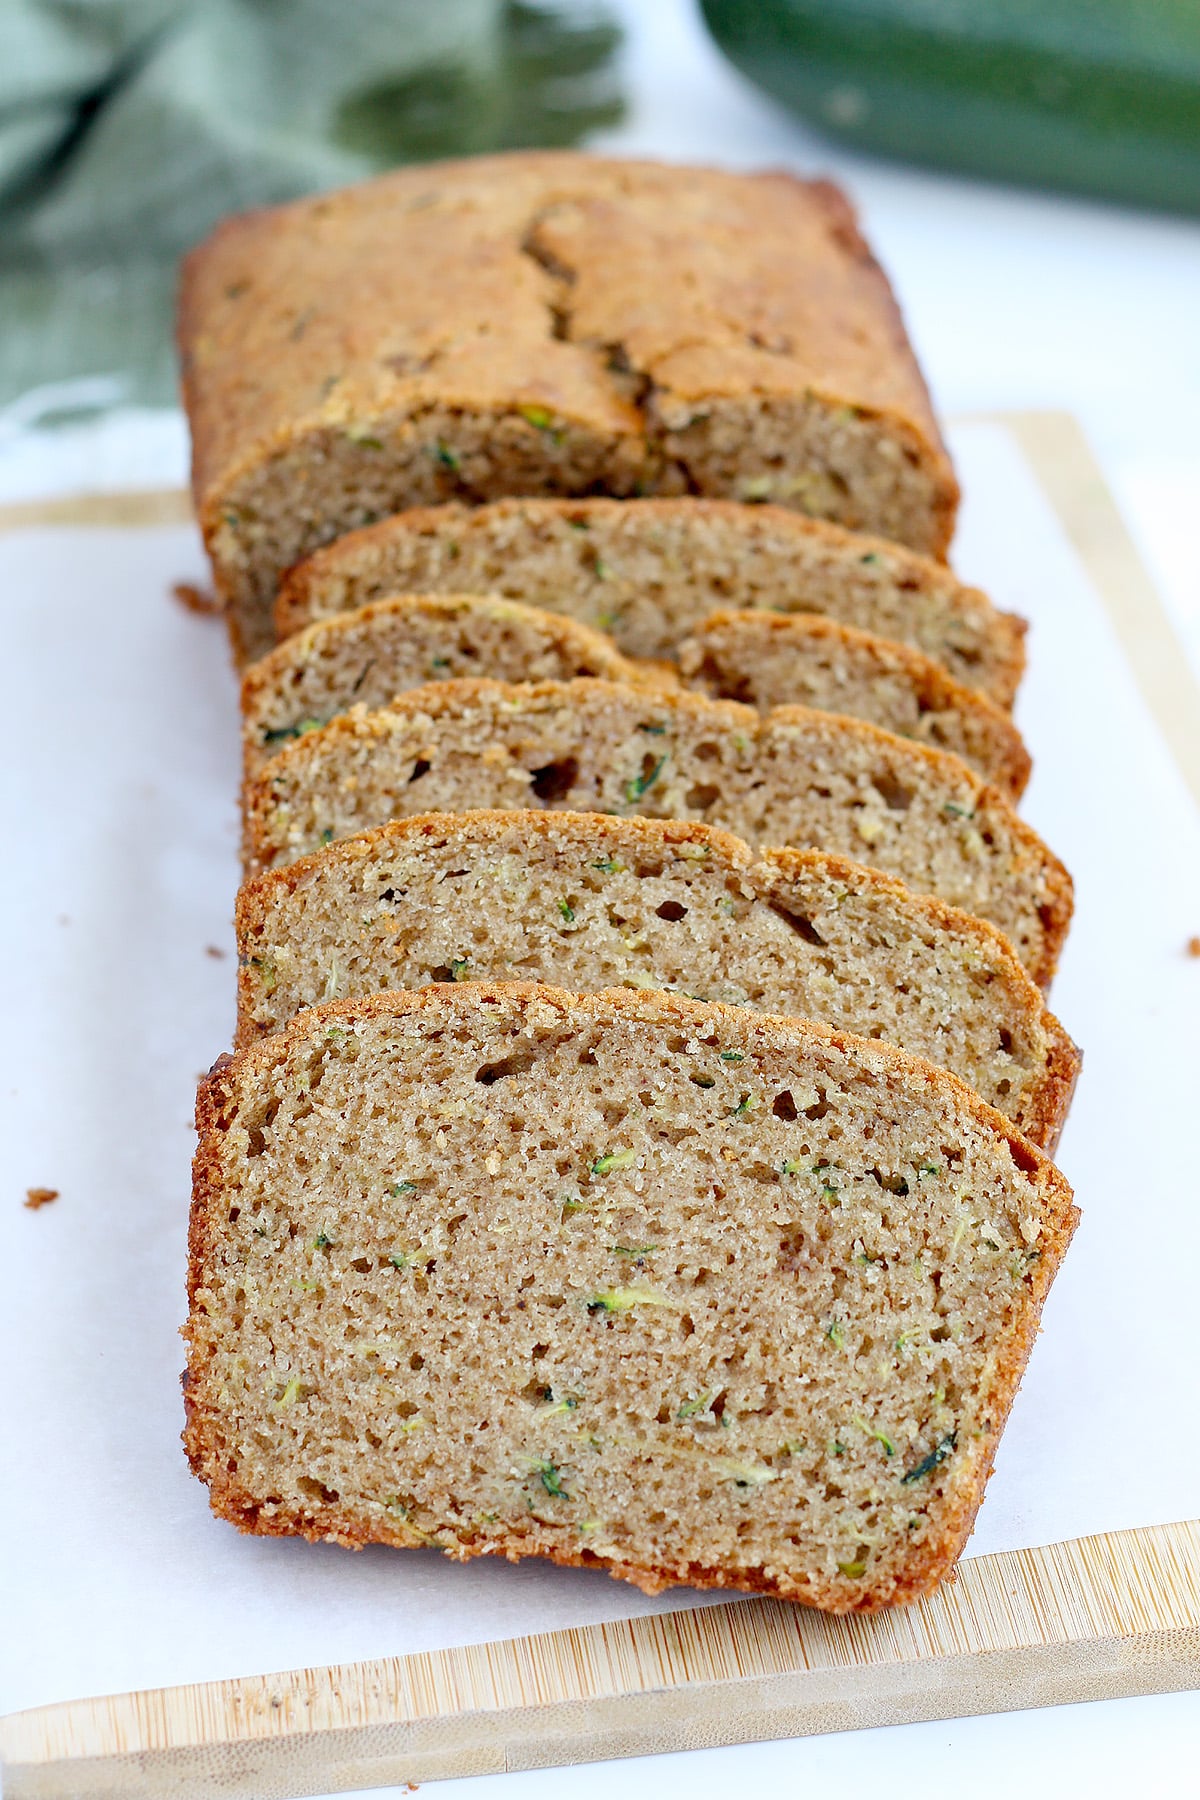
x=217, y=1108
x=248, y=385
x=783, y=349
x=1045, y=1124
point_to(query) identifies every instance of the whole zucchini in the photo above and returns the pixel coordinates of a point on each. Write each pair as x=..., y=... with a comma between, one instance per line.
x=1098, y=96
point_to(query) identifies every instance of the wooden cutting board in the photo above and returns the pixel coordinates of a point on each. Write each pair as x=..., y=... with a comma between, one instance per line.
x=1094, y=1618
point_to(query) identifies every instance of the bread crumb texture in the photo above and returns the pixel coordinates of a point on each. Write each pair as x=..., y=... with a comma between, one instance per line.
x=677, y=1291
x=387, y=647
x=649, y=572
x=791, y=778
x=545, y=324
x=586, y=902
x=767, y=660
x=369, y=656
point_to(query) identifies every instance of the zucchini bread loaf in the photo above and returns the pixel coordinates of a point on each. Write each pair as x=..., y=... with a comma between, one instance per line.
x=769, y=659
x=545, y=323
x=649, y=571
x=791, y=777
x=586, y=902
x=682, y=1292
x=366, y=658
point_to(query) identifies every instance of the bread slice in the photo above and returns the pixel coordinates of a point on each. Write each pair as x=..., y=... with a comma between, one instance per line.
x=547, y=324
x=769, y=659
x=383, y=649
x=791, y=777
x=650, y=571
x=586, y=902
x=681, y=1292
x=367, y=657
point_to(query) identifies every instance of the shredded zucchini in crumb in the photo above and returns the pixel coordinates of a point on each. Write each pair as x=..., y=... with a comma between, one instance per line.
x=613, y=1159
x=928, y=1464
x=881, y=1437
x=743, y=1474
x=283, y=733
x=539, y=418
x=624, y=1299
x=550, y=1406
x=635, y=788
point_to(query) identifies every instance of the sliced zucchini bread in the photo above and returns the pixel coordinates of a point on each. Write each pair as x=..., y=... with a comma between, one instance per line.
x=367, y=657
x=585, y=902
x=682, y=1292
x=772, y=659
x=791, y=777
x=649, y=571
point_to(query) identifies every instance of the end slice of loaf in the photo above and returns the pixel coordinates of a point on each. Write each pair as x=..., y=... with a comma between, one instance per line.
x=681, y=1292
x=650, y=571
x=544, y=324
x=788, y=778
x=767, y=659
x=585, y=902
x=367, y=657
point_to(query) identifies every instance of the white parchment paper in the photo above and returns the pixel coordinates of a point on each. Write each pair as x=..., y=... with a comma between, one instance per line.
x=120, y=771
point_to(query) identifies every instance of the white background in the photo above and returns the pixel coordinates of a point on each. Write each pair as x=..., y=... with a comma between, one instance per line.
x=126, y=828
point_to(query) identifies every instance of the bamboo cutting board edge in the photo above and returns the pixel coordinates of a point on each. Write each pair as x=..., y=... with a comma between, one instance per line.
x=1104, y=1617
x=1095, y=1618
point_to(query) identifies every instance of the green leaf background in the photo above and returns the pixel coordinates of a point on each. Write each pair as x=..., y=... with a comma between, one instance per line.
x=129, y=127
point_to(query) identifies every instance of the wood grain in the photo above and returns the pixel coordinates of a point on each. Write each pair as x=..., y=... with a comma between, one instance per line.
x=1070, y=477
x=1094, y=1618
x=154, y=506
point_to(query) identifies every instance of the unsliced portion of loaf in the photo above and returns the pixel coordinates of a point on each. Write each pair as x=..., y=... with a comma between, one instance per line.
x=545, y=324
x=765, y=660
x=650, y=571
x=682, y=1292
x=586, y=902
x=790, y=777
x=366, y=658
